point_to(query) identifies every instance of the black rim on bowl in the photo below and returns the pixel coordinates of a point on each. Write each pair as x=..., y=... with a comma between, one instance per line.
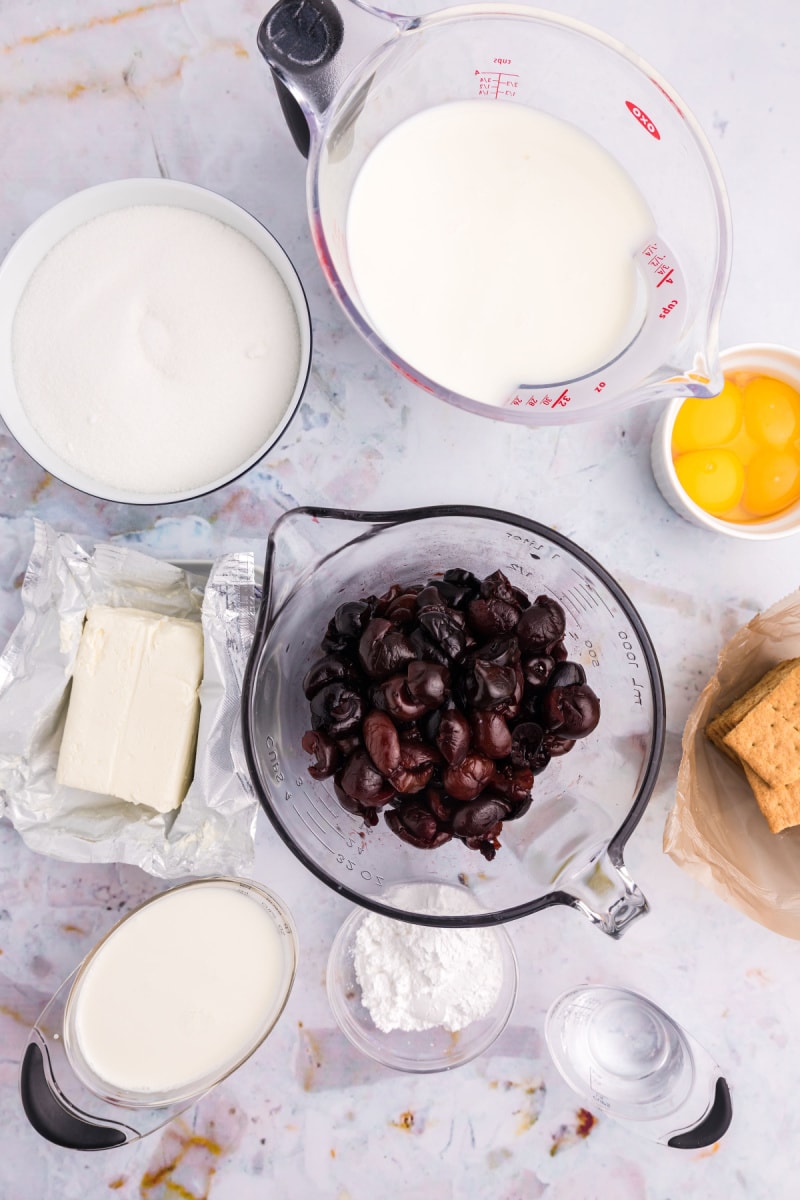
x=616, y=844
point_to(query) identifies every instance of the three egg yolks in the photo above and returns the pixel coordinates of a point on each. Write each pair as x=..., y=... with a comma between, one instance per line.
x=737, y=455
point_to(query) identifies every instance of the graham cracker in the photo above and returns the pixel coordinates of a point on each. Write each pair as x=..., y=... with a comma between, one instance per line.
x=780, y=805
x=767, y=738
x=721, y=725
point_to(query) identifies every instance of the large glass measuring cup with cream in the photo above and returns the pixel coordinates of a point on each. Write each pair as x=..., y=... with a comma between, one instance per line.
x=514, y=210
x=173, y=999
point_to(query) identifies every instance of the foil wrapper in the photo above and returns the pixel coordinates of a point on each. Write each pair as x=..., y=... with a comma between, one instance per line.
x=213, y=831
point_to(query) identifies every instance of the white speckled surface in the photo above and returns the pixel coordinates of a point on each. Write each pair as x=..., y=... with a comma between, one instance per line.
x=92, y=91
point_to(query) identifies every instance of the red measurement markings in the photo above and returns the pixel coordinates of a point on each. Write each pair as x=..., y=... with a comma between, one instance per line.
x=658, y=262
x=497, y=84
x=547, y=401
x=643, y=119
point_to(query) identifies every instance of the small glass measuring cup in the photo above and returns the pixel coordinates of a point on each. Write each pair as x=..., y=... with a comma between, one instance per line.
x=568, y=849
x=347, y=74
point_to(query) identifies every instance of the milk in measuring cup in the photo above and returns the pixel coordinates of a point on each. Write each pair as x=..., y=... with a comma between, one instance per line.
x=493, y=245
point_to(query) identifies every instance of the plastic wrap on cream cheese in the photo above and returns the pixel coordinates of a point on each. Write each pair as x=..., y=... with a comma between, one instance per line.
x=213, y=829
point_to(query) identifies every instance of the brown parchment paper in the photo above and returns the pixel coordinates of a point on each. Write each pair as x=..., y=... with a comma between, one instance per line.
x=715, y=830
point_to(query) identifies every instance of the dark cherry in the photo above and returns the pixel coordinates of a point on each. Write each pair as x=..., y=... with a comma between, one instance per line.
x=415, y=825
x=362, y=780
x=486, y=685
x=336, y=709
x=571, y=712
x=428, y=683
x=350, y=805
x=457, y=587
x=382, y=650
x=497, y=587
x=326, y=753
x=478, y=818
x=502, y=651
x=537, y=669
x=424, y=649
x=382, y=741
x=397, y=701
x=416, y=768
x=453, y=737
x=327, y=670
x=402, y=610
x=444, y=630
x=467, y=780
x=490, y=734
x=350, y=619
x=526, y=741
x=492, y=618
x=541, y=625
x=566, y=674
x=430, y=597
x=512, y=783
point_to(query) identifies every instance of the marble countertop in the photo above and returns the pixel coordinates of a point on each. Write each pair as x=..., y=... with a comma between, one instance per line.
x=91, y=90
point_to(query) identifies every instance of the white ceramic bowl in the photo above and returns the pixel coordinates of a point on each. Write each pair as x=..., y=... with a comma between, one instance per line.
x=423, y=1051
x=54, y=225
x=763, y=358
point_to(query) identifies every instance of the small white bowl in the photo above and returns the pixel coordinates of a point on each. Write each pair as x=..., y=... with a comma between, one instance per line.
x=419, y=1052
x=780, y=362
x=51, y=228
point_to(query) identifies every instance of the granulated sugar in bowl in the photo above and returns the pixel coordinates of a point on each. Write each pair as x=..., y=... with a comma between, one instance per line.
x=158, y=339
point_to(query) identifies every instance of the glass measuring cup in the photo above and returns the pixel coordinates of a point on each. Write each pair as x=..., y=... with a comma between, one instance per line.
x=64, y=1098
x=348, y=74
x=568, y=849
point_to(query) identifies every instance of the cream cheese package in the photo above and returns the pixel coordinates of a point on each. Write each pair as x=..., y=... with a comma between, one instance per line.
x=131, y=725
x=71, y=812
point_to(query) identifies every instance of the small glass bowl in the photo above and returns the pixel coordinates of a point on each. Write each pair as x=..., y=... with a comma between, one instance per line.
x=424, y=1051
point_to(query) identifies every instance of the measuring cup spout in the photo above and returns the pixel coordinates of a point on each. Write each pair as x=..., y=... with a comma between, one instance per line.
x=298, y=543
x=311, y=46
x=608, y=896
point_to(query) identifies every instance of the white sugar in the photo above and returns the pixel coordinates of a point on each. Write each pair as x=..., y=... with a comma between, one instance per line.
x=155, y=349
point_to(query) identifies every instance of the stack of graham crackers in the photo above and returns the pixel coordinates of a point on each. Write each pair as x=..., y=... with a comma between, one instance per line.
x=761, y=732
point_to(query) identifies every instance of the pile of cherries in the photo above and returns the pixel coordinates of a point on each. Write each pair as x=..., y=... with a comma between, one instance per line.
x=440, y=703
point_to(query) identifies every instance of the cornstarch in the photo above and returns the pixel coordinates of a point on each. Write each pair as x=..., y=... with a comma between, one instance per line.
x=413, y=977
x=155, y=348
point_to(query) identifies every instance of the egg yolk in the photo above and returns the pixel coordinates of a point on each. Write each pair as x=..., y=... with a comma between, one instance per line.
x=701, y=424
x=773, y=480
x=771, y=411
x=737, y=455
x=714, y=479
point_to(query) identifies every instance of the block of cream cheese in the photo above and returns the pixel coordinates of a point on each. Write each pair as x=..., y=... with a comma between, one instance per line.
x=133, y=713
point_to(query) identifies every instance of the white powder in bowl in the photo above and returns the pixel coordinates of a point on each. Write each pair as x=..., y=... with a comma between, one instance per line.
x=413, y=977
x=155, y=349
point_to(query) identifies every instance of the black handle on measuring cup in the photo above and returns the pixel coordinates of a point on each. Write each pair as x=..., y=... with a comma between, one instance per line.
x=713, y=1124
x=299, y=38
x=51, y=1118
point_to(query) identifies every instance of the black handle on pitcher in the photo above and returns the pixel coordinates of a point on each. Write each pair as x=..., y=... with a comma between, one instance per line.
x=299, y=37
x=51, y=1118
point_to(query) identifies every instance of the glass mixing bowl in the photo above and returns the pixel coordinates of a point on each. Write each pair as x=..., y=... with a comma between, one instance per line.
x=568, y=849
